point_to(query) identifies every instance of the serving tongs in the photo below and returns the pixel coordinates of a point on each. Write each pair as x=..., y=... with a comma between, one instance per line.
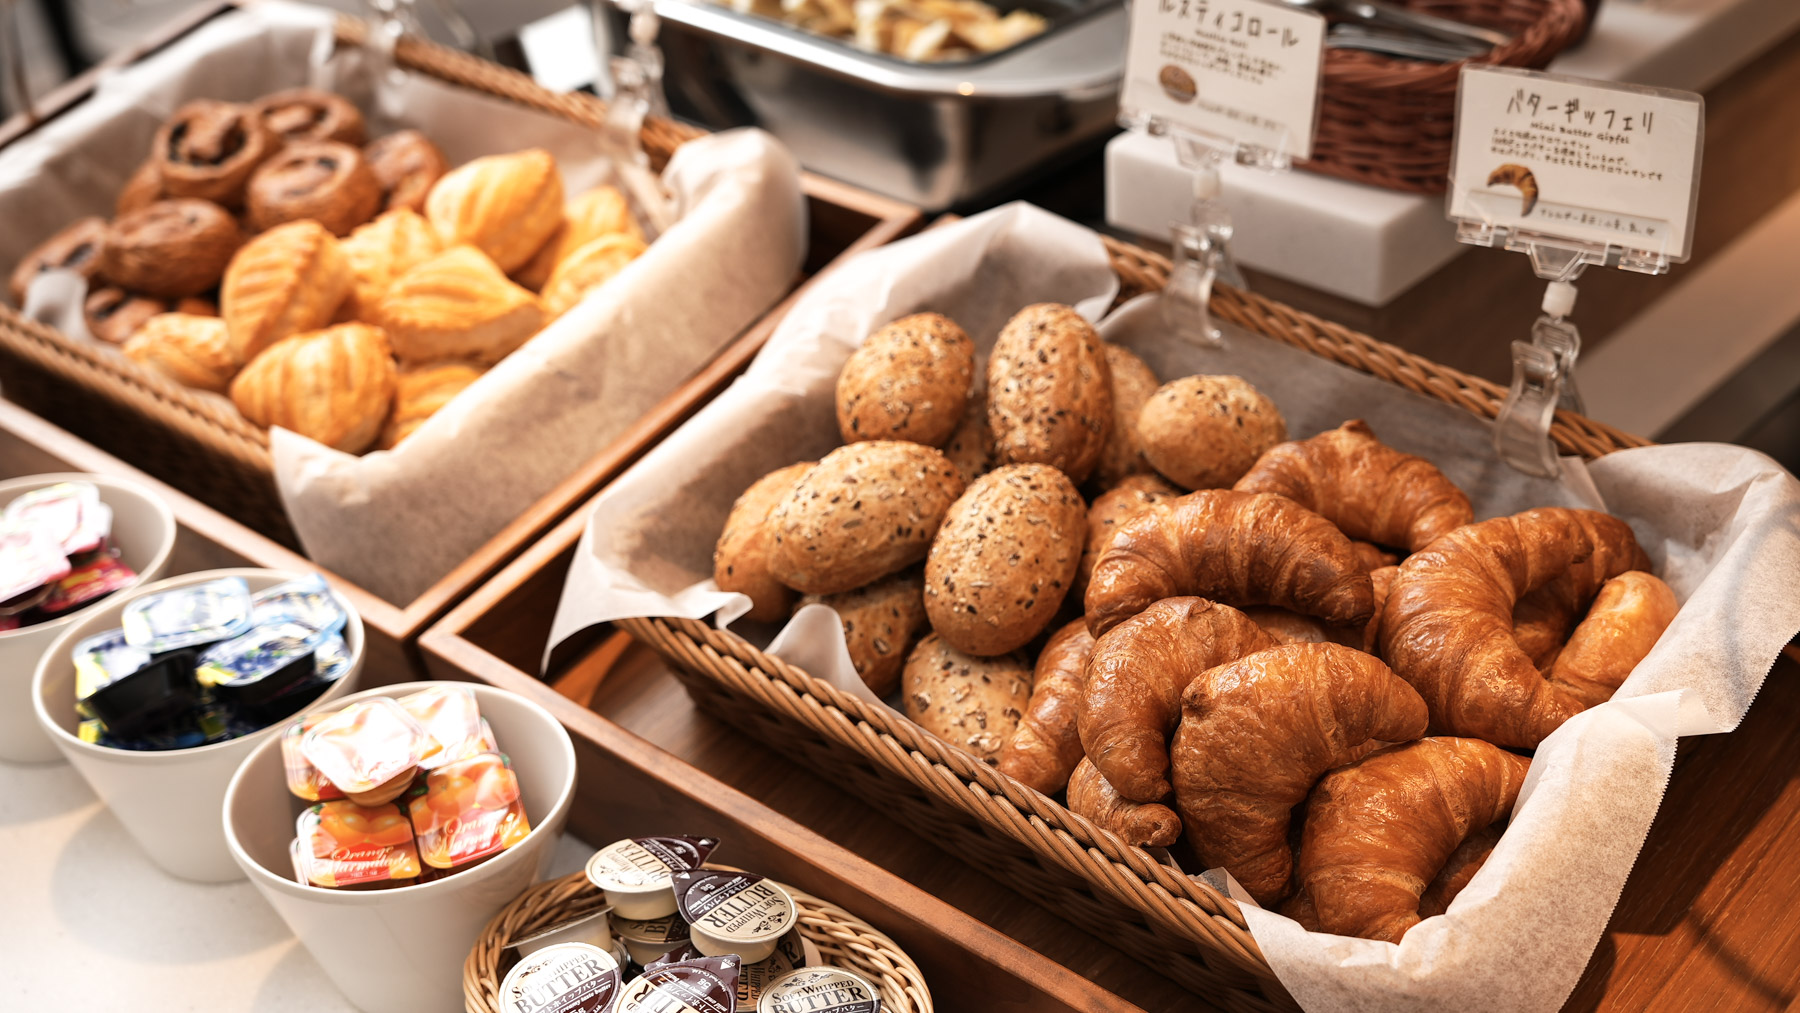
x=1411, y=47
x=1384, y=27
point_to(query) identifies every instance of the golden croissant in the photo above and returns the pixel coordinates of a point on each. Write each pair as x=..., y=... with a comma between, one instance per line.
x=1145, y=824
x=1044, y=751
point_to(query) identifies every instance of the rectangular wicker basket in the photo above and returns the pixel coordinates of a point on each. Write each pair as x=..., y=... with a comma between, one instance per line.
x=1175, y=924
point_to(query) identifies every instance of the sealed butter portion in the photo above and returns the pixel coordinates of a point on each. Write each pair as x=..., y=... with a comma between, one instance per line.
x=755, y=979
x=565, y=978
x=635, y=872
x=701, y=985
x=821, y=990
x=733, y=912
x=667, y=929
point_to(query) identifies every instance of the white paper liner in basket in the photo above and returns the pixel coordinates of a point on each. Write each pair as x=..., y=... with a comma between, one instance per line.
x=396, y=521
x=1722, y=524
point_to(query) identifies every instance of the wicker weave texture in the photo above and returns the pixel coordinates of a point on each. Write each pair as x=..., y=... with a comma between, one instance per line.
x=842, y=939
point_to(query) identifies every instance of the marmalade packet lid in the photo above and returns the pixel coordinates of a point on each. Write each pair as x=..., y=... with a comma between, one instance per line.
x=345, y=844
x=304, y=779
x=449, y=714
x=29, y=563
x=468, y=810
x=367, y=745
x=68, y=514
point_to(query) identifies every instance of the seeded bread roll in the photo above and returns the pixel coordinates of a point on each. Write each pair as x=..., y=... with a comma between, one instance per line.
x=1132, y=384
x=1204, y=432
x=908, y=381
x=971, y=447
x=741, y=559
x=1049, y=398
x=881, y=622
x=974, y=703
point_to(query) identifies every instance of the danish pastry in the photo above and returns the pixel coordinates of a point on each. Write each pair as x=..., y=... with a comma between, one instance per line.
x=76, y=248
x=308, y=114
x=419, y=393
x=322, y=180
x=506, y=206
x=143, y=189
x=407, y=165
x=191, y=350
x=384, y=249
x=209, y=149
x=288, y=280
x=172, y=248
x=601, y=211
x=334, y=386
x=457, y=305
x=586, y=269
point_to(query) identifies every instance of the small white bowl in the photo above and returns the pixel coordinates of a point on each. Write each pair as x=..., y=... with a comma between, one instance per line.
x=144, y=531
x=402, y=950
x=167, y=800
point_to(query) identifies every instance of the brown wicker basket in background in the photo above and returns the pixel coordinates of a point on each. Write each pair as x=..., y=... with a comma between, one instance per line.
x=1389, y=121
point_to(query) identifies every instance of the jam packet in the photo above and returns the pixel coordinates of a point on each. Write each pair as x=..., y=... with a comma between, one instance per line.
x=88, y=583
x=188, y=616
x=69, y=514
x=468, y=810
x=331, y=658
x=29, y=563
x=450, y=716
x=101, y=660
x=307, y=600
x=371, y=749
x=155, y=696
x=343, y=844
x=262, y=663
x=304, y=779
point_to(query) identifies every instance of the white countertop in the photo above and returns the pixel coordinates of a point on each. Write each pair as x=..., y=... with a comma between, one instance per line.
x=90, y=924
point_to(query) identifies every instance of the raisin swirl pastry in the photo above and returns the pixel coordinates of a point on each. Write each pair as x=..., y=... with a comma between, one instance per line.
x=114, y=315
x=322, y=180
x=76, y=248
x=407, y=165
x=209, y=150
x=308, y=114
x=144, y=188
x=172, y=248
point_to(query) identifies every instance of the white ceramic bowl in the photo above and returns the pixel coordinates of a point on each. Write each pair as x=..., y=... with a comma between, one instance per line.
x=144, y=530
x=402, y=950
x=168, y=801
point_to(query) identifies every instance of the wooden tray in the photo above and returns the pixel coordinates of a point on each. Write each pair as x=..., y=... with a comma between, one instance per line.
x=842, y=221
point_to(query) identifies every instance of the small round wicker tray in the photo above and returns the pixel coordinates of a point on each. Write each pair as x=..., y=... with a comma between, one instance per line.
x=843, y=940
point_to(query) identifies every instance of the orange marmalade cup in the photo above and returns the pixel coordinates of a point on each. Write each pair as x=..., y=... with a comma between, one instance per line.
x=450, y=716
x=342, y=844
x=371, y=750
x=468, y=810
x=304, y=779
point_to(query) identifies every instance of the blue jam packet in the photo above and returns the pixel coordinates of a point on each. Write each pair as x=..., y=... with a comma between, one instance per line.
x=255, y=655
x=331, y=658
x=188, y=616
x=103, y=659
x=308, y=599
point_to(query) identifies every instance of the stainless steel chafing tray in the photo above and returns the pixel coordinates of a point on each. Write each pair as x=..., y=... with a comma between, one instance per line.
x=931, y=134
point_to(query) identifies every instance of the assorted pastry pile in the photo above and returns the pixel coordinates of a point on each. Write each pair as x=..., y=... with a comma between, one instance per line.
x=1302, y=661
x=341, y=290
x=922, y=30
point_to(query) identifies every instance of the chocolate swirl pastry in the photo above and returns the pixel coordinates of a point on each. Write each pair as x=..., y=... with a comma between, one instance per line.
x=406, y=164
x=171, y=249
x=76, y=248
x=143, y=189
x=307, y=114
x=209, y=149
x=113, y=314
x=322, y=180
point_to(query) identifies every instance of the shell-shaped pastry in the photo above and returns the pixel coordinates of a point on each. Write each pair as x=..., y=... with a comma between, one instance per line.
x=506, y=206
x=386, y=248
x=420, y=392
x=588, y=268
x=334, y=386
x=288, y=280
x=191, y=350
x=457, y=305
x=601, y=211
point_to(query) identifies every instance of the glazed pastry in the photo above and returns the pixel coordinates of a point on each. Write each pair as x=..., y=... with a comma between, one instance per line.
x=1461, y=867
x=1379, y=831
x=1368, y=489
x=1132, y=700
x=307, y=114
x=209, y=150
x=586, y=269
x=506, y=206
x=113, y=314
x=741, y=557
x=1044, y=751
x=1132, y=496
x=1204, y=432
x=78, y=247
x=172, y=248
x=322, y=180
x=601, y=211
x=407, y=165
x=384, y=249
x=333, y=386
x=288, y=280
x=191, y=350
x=1145, y=824
x=1132, y=384
x=143, y=189
x=1236, y=547
x=457, y=305
x=881, y=623
x=419, y=393
x=1257, y=733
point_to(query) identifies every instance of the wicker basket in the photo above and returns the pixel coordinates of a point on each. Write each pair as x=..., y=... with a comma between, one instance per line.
x=843, y=940
x=1389, y=121
x=197, y=441
x=1175, y=924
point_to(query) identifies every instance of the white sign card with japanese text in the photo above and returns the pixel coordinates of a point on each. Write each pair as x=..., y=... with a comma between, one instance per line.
x=1568, y=158
x=1246, y=71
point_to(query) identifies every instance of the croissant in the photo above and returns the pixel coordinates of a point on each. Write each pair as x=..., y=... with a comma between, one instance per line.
x=1044, y=751
x=1461, y=867
x=1367, y=488
x=1145, y=824
x=1132, y=699
x=1447, y=625
x=1544, y=619
x=1627, y=618
x=1133, y=495
x=1380, y=830
x=1258, y=732
x=1238, y=547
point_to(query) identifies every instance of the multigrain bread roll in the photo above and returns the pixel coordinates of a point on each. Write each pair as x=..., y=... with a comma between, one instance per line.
x=907, y=381
x=1204, y=432
x=881, y=623
x=1132, y=384
x=741, y=557
x=1049, y=393
x=974, y=703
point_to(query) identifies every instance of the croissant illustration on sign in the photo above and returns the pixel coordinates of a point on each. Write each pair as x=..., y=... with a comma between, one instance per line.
x=1177, y=82
x=1520, y=177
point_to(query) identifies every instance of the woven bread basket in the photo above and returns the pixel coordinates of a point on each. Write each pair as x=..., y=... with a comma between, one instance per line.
x=1176, y=924
x=197, y=441
x=843, y=940
x=1389, y=121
